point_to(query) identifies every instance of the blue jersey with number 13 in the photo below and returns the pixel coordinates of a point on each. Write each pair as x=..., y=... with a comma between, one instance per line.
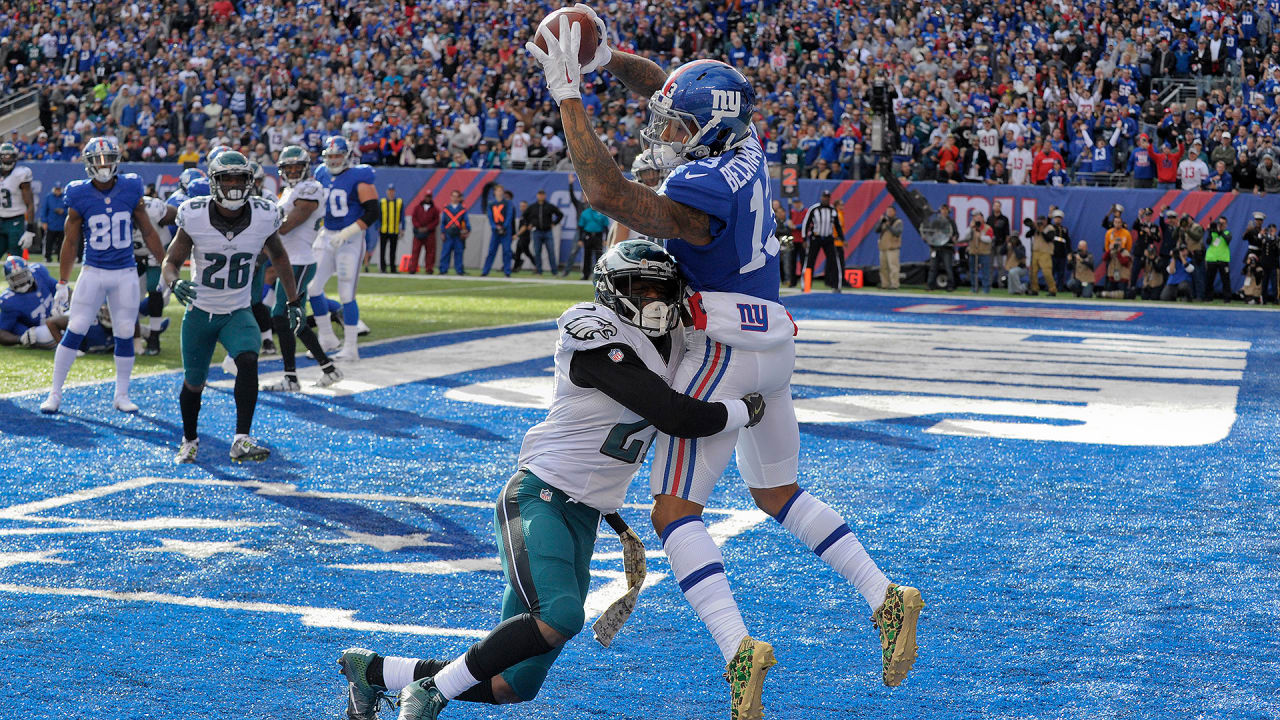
x=733, y=190
x=343, y=206
x=107, y=228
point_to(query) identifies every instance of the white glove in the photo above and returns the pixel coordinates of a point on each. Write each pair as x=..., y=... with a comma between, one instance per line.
x=60, y=296
x=29, y=337
x=27, y=239
x=604, y=53
x=560, y=61
x=340, y=238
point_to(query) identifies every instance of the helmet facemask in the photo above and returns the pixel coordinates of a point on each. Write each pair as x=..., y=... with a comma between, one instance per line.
x=102, y=166
x=21, y=280
x=666, y=122
x=8, y=161
x=231, y=190
x=646, y=301
x=336, y=161
x=292, y=173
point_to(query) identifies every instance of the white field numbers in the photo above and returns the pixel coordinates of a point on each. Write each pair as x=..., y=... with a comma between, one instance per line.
x=763, y=245
x=110, y=231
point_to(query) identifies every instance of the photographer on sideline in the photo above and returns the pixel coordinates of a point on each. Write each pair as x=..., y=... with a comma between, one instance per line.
x=1041, y=256
x=1217, y=257
x=1180, y=268
x=890, y=231
x=1152, y=272
x=1082, y=271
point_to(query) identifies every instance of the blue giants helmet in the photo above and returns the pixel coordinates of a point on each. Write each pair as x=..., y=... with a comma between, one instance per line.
x=101, y=156
x=713, y=104
x=188, y=176
x=336, y=154
x=18, y=273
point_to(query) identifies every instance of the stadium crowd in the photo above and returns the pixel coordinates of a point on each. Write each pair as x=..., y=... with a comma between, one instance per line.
x=986, y=91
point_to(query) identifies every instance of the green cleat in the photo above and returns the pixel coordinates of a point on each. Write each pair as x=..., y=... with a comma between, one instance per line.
x=746, y=679
x=896, y=620
x=362, y=698
x=421, y=700
x=247, y=449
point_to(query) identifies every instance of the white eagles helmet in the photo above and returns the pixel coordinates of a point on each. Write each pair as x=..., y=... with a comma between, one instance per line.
x=230, y=180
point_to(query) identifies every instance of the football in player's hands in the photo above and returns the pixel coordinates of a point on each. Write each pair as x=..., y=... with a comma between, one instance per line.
x=755, y=408
x=590, y=35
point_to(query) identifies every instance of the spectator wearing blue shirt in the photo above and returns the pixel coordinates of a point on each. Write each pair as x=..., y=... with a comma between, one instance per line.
x=1180, y=268
x=1104, y=156
x=1220, y=179
x=1141, y=165
x=53, y=219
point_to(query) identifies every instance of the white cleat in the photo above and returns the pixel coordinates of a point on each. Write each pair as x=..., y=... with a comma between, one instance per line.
x=361, y=328
x=51, y=404
x=229, y=366
x=284, y=384
x=348, y=354
x=330, y=377
x=124, y=404
x=187, y=451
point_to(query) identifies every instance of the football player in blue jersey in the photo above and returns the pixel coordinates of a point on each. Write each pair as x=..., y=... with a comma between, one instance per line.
x=351, y=207
x=103, y=210
x=715, y=207
x=26, y=304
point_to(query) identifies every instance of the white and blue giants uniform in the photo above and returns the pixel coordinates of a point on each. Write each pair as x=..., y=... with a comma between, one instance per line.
x=341, y=210
x=21, y=311
x=742, y=339
x=110, y=271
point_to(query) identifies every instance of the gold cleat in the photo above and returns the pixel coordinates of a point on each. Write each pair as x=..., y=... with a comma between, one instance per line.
x=746, y=679
x=896, y=620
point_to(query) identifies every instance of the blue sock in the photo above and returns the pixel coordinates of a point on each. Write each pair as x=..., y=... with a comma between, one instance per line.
x=350, y=313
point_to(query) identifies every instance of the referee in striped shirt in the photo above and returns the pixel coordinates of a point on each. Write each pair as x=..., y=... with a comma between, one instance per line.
x=820, y=229
x=392, y=217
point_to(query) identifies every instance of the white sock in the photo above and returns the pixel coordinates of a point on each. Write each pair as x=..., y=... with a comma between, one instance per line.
x=155, y=323
x=699, y=568
x=827, y=534
x=350, y=336
x=63, y=357
x=266, y=335
x=397, y=672
x=324, y=331
x=454, y=678
x=124, y=368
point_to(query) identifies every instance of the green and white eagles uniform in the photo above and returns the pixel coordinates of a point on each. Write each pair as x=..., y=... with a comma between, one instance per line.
x=156, y=208
x=590, y=446
x=298, y=241
x=573, y=467
x=223, y=256
x=13, y=210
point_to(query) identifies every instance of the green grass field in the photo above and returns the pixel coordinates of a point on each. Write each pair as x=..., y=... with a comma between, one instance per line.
x=391, y=306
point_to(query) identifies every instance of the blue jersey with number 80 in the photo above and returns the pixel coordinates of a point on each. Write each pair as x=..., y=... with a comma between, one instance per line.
x=733, y=190
x=107, y=220
x=343, y=205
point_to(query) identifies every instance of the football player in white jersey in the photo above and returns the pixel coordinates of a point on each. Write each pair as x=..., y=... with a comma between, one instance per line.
x=161, y=215
x=645, y=171
x=714, y=208
x=302, y=207
x=17, y=204
x=613, y=365
x=223, y=235
x=102, y=211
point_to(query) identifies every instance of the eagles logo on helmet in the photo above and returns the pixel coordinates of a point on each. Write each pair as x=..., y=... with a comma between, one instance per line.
x=627, y=273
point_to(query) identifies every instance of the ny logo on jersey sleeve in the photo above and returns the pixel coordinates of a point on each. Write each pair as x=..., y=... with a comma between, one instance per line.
x=586, y=327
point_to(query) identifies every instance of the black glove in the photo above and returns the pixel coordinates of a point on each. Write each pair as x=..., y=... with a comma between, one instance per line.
x=755, y=408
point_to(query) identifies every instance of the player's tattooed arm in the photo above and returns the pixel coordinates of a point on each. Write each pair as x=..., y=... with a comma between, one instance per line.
x=142, y=221
x=630, y=203
x=302, y=210
x=280, y=261
x=70, y=244
x=179, y=252
x=641, y=75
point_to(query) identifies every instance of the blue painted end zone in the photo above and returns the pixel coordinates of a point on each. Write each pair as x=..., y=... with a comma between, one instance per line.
x=1063, y=579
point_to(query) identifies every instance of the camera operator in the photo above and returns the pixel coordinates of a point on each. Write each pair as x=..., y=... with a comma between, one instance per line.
x=979, y=241
x=1146, y=234
x=1015, y=266
x=1041, y=256
x=1254, y=276
x=1191, y=234
x=1218, y=258
x=1082, y=271
x=1152, y=272
x=1060, y=238
x=890, y=231
x=1117, y=264
x=1180, y=268
x=1271, y=263
x=942, y=257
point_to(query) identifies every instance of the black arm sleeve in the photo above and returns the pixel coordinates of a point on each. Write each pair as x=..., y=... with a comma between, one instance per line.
x=372, y=214
x=643, y=392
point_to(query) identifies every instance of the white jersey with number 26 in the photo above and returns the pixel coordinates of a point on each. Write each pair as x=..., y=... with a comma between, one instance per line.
x=221, y=266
